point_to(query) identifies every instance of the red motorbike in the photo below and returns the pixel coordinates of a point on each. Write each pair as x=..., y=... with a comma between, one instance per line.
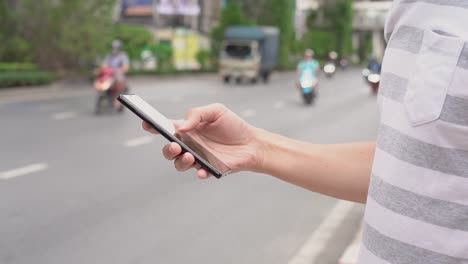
x=105, y=86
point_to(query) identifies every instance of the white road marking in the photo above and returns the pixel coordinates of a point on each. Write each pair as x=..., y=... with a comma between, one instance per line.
x=316, y=244
x=248, y=113
x=352, y=252
x=63, y=115
x=135, y=142
x=278, y=105
x=36, y=167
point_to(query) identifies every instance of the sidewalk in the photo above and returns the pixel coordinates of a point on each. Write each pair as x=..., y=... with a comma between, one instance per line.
x=55, y=90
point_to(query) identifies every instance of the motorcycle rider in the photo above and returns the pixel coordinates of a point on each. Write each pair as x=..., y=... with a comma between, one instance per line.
x=374, y=65
x=307, y=66
x=119, y=62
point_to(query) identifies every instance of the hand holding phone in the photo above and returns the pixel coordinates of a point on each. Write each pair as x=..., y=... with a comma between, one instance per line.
x=222, y=133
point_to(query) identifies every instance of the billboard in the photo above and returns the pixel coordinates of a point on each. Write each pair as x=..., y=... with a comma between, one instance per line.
x=178, y=7
x=137, y=8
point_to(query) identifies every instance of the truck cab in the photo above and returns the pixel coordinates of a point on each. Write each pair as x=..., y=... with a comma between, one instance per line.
x=248, y=53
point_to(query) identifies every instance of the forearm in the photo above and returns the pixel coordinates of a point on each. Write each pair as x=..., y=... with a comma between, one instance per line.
x=341, y=170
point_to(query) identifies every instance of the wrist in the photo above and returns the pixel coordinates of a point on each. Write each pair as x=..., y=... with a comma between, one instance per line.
x=265, y=144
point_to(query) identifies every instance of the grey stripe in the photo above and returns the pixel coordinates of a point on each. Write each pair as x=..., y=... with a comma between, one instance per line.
x=393, y=86
x=423, y=208
x=407, y=38
x=455, y=110
x=463, y=60
x=397, y=252
x=455, y=3
x=416, y=152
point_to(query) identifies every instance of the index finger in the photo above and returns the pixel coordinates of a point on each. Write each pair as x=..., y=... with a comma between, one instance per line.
x=149, y=128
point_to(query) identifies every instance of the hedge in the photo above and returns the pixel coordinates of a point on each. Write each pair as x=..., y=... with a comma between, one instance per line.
x=23, y=78
x=12, y=67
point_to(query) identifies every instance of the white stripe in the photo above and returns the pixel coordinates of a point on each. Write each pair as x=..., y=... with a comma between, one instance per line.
x=449, y=188
x=459, y=81
x=23, y=171
x=316, y=244
x=135, y=142
x=351, y=254
x=249, y=113
x=435, y=238
x=366, y=257
x=63, y=115
x=437, y=133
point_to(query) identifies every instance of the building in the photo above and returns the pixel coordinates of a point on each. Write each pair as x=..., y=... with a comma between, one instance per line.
x=197, y=15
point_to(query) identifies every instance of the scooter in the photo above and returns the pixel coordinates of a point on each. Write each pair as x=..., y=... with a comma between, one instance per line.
x=329, y=69
x=373, y=79
x=104, y=85
x=308, y=85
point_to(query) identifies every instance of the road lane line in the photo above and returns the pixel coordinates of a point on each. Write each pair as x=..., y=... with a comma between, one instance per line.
x=316, y=244
x=352, y=252
x=36, y=167
x=278, y=105
x=135, y=142
x=249, y=113
x=63, y=115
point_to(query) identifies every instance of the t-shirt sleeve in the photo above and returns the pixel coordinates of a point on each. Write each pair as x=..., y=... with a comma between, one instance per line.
x=300, y=65
x=125, y=59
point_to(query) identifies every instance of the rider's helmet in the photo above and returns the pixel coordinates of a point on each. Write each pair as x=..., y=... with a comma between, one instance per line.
x=116, y=45
x=309, y=54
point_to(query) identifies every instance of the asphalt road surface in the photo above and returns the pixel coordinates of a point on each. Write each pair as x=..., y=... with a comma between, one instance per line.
x=76, y=188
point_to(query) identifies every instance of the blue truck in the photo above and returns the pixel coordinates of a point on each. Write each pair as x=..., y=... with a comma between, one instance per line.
x=249, y=53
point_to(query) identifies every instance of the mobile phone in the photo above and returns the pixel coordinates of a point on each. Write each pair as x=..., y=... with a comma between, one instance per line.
x=188, y=142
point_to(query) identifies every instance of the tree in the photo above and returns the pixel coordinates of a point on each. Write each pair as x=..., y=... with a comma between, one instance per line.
x=231, y=15
x=277, y=13
x=65, y=33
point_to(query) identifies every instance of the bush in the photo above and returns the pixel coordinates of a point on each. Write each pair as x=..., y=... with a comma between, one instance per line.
x=16, y=66
x=23, y=78
x=134, y=39
x=203, y=58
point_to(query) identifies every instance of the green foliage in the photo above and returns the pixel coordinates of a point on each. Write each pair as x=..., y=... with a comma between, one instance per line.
x=321, y=41
x=64, y=34
x=13, y=47
x=280, y=14
x=9, y=67
x=23, y=78
x=134, y=38
x=366, y=49
x=203, y=58
x=338, y=20
x=231, y=15
x=163, y=53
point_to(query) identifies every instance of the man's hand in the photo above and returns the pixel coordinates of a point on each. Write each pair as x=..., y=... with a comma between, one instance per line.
x=226, y=135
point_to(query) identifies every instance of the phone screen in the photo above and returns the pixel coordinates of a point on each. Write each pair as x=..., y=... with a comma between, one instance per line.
x=190, y=142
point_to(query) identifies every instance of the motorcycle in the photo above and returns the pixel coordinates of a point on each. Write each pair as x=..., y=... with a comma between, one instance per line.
x=372, y=78
x=329, y=69
x=308, y=85
x=104, y=85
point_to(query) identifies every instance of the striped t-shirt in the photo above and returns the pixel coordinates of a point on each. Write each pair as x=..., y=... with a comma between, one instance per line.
x=417, y=207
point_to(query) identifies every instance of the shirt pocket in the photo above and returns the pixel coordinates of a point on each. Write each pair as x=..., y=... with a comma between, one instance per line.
x=435, y=66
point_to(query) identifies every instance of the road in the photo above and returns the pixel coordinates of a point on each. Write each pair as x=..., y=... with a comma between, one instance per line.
x=76, y=188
